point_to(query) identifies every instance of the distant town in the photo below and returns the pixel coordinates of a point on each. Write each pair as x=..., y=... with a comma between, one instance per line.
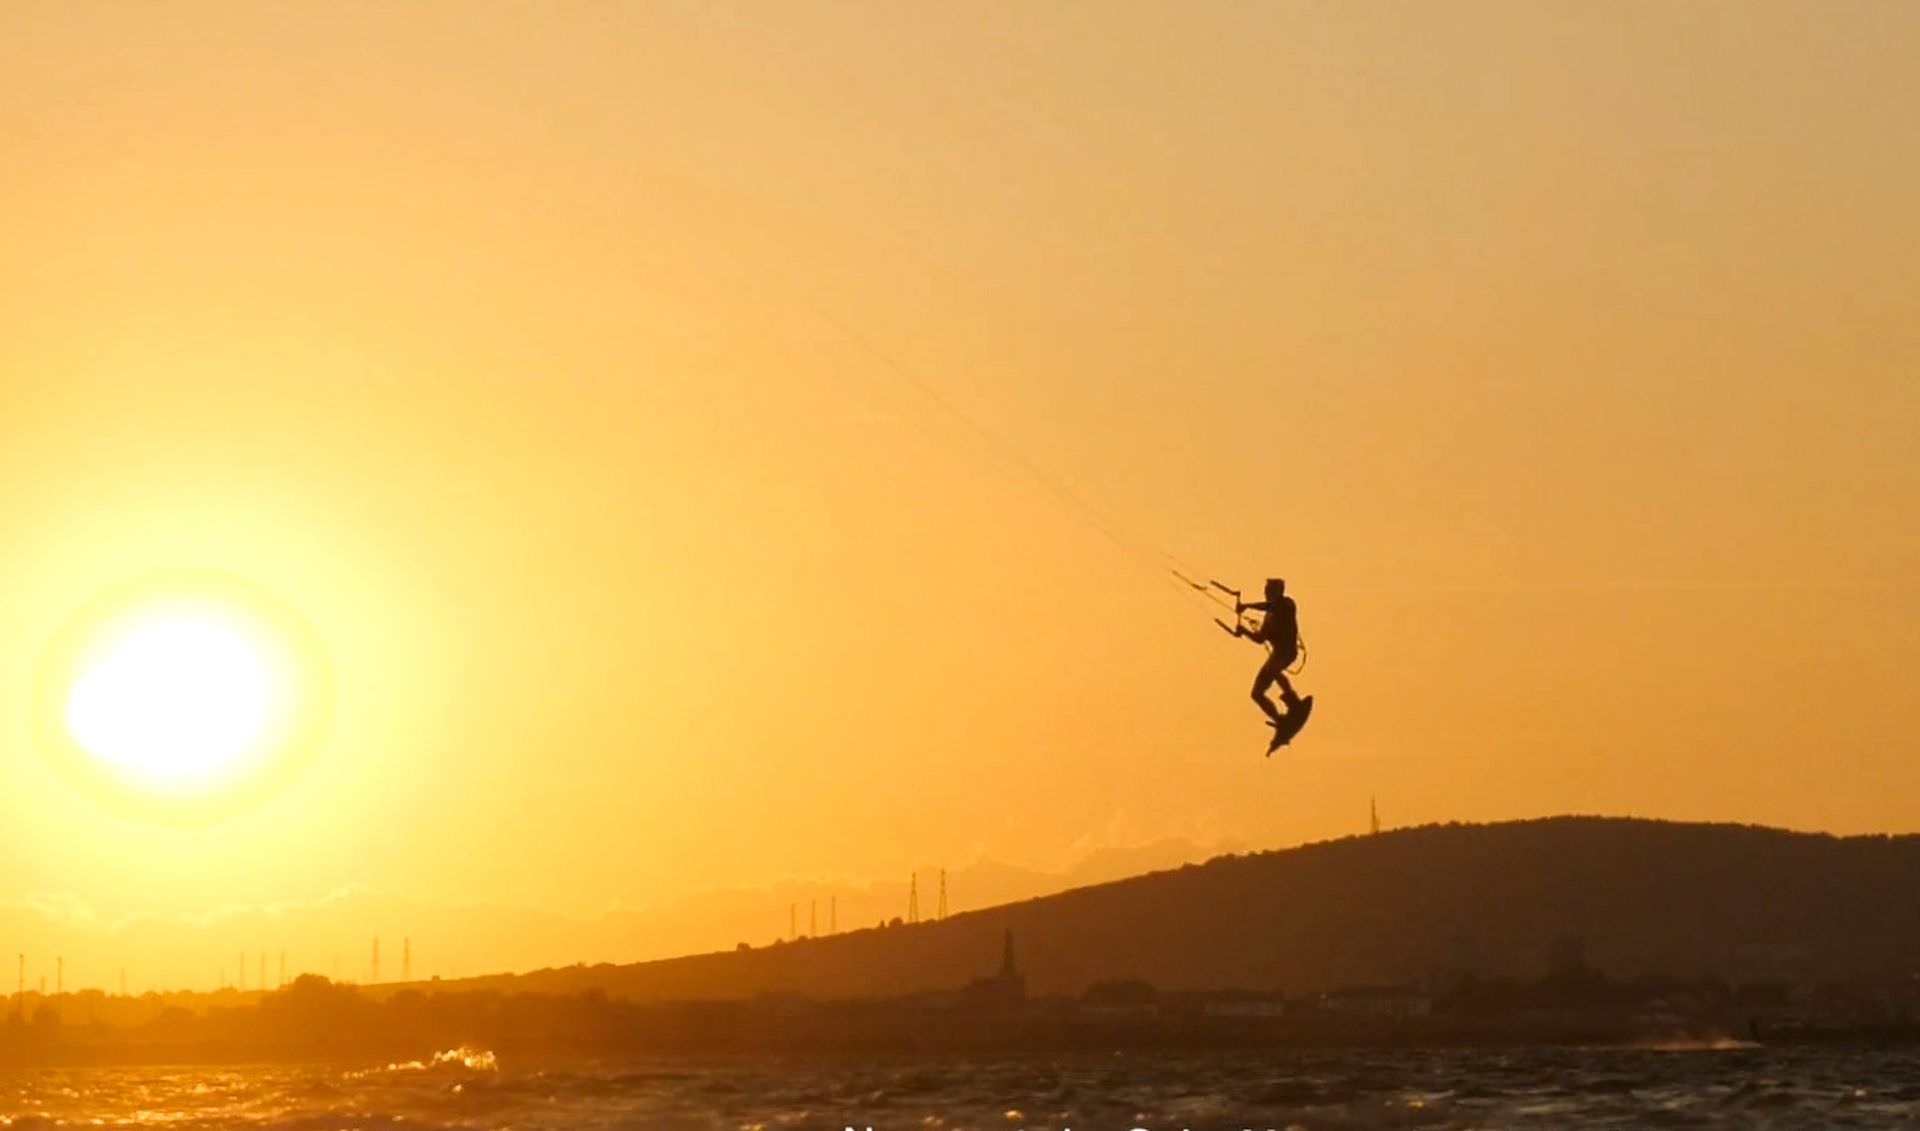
x=1571, y=1003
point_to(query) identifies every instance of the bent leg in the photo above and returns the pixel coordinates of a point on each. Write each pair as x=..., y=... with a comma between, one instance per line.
x=1287, y=694
x=1261, y=683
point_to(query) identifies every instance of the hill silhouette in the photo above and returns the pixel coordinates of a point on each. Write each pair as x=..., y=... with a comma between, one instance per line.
x=1642, y=897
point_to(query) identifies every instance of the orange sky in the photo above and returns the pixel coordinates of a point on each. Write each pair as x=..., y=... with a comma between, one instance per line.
x=558, y=363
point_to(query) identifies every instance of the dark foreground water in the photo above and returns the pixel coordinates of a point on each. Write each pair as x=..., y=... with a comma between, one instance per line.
x=1542, y=1088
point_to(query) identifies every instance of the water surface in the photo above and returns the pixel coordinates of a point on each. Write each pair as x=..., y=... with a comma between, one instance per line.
x=1439, y=1089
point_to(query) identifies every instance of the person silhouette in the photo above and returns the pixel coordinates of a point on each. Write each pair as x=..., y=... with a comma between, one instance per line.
x=1279, y=630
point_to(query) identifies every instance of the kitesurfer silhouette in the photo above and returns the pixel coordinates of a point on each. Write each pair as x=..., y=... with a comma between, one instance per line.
x=1279, y=630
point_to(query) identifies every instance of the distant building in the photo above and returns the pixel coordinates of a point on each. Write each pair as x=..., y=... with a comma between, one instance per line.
x=1007, y=988
x=1243, y=1003
x=1461, y=966
x=1120, y=996
x=1378, y=1001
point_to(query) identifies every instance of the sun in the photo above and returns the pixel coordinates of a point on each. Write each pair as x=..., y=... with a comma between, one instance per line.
x=184, y=697
x=176, y=701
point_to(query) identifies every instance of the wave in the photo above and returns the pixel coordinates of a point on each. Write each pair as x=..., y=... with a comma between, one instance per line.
x=462, y=1058
x=1691, y=1044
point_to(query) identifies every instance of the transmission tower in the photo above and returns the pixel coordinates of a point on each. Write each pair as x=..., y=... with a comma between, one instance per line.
x=942, y=913
x=1373, y=816
x=913, y=898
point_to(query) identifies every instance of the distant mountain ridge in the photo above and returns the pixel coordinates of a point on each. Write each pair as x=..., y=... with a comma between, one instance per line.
x=1640, y=896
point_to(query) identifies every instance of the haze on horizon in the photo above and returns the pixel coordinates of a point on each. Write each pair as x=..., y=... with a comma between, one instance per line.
x=558, y=363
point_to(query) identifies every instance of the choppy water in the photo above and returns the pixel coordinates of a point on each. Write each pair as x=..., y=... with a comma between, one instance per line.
x=1550, y=1088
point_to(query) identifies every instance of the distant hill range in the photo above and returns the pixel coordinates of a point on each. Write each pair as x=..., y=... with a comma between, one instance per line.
x=1630, y=897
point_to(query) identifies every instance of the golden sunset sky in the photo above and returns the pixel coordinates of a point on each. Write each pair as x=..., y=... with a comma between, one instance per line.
x=661, y=413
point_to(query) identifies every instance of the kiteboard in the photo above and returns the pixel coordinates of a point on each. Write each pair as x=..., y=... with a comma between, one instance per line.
x=1290, y=724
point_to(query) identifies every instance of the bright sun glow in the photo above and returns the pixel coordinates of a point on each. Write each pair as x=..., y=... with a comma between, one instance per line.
x=175, y=701
x=183, y=697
